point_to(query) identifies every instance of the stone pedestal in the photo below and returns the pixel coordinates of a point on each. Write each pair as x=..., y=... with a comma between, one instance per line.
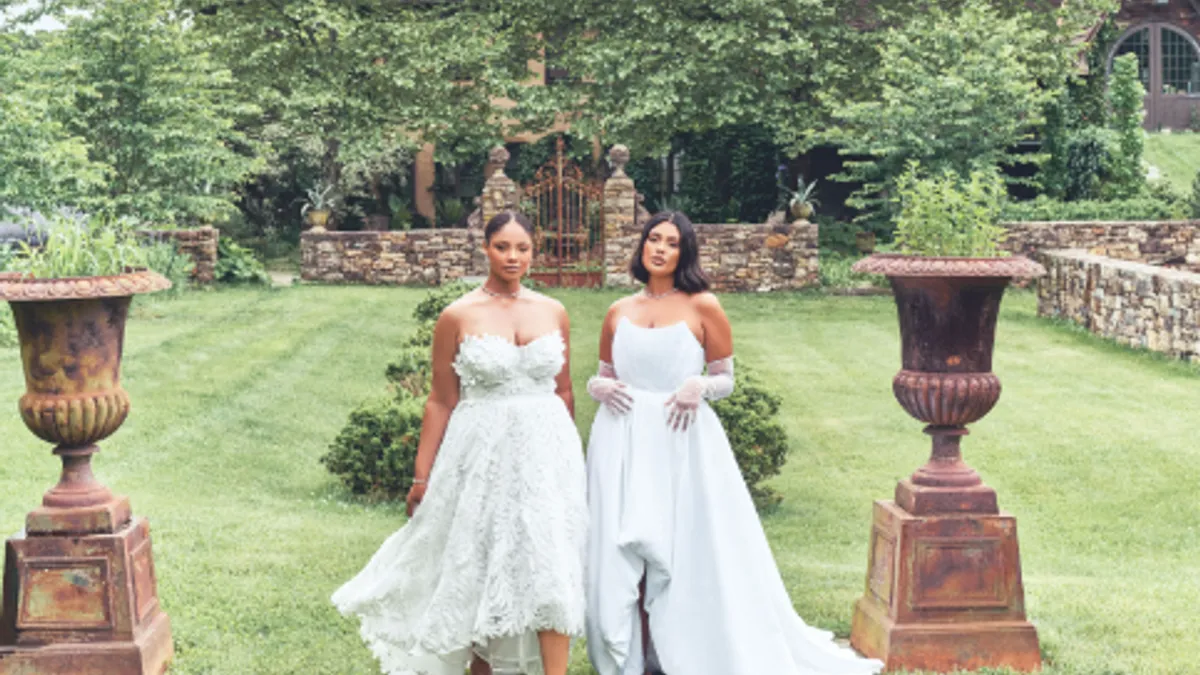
x=83, y=605
x=944, y=593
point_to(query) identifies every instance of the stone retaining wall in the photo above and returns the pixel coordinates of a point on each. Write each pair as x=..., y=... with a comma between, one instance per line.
x=1167, y=242
x=200, y=244
x=423, y=257
x=1133, y=303
x=737, y=258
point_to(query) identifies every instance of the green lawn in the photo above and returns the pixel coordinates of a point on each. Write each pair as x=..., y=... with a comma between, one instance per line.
x=237, y=393
x=1177, y=157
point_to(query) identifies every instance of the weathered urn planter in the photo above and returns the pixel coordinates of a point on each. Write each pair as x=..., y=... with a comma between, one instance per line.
x=944, y=585
x=80, y=593
x=319, y=219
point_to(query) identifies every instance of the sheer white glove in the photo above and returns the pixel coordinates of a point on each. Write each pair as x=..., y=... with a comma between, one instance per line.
x=605, y=388
x=683, y=404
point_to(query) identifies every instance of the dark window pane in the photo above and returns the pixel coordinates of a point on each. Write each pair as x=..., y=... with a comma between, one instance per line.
x=1137, y=43
x=1180, y=64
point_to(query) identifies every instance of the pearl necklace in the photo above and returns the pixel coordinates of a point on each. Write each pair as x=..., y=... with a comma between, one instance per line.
x=494, y=294
x=658, y=296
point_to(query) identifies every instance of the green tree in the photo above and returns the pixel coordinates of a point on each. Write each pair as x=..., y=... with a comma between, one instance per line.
x=954, y=90
x=341, y=83
x=155, y=110
x=1125, y=99
x=639, y=72
x=41, y=164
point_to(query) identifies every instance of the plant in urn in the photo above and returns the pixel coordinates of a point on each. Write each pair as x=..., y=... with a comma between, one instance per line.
x=944, y=587
x=80, y=593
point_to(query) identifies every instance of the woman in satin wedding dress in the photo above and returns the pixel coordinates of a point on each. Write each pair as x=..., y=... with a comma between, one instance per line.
x=674, y=535
x=490, y=567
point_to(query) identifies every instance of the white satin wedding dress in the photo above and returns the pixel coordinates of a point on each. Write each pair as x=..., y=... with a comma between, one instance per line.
x=673, y=506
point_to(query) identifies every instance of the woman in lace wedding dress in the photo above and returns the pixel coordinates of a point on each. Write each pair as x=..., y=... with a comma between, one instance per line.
x=490, y=567
x=675, y=540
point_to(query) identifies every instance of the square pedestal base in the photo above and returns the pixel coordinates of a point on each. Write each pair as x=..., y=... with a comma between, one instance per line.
x=149, y=654
x=83, y=605
x=943, y=593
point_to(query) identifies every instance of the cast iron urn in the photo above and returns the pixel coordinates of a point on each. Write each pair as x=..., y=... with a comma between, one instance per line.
x=80, y=594
x=944, y=587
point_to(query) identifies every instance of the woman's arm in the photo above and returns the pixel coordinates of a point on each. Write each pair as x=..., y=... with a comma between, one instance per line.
x=607, y=330
x=718, y=334
x=563, y=381
x=604, y=387
x=718, y=353
x=443, y=397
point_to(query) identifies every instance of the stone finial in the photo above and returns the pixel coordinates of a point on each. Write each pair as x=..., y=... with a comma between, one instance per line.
x=499, y=157
x=618, y=157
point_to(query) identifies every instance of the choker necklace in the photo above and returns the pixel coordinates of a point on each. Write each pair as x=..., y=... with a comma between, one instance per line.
x=494, y=294
x=653, y=296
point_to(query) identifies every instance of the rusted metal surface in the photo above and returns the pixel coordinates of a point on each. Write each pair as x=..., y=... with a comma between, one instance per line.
x=909, y=266
x=83, y=605
x=944, y=584
x=18, y=288
x=80, y=595
x=71, y=353
x=944, y=593
x=947, y=334
x=567, y=211
x=946, y=399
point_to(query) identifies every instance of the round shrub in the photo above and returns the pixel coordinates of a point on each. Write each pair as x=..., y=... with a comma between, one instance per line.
x=438, y=299
x=750, y=418
x=411, y=371
x=374, y=453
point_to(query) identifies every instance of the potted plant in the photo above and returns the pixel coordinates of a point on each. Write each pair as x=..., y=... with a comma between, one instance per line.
x=799, y=202
x=70, y=297
x=948, y=280
x=319, y=207
x=401, y=214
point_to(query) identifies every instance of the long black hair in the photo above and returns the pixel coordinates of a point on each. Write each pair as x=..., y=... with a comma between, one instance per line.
x=503, y=218
x=689, y=277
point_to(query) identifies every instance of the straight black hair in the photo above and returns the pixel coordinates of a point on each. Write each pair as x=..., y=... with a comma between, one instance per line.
x=503, y=218
x=689, y=277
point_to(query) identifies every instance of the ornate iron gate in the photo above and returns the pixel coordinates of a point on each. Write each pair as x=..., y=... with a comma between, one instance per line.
x=567, y=211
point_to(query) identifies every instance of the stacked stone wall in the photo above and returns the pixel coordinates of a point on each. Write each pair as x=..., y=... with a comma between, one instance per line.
x=418, y=257
x=1132, y=303
x=200, y=244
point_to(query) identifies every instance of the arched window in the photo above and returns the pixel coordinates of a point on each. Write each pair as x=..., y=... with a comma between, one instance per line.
x=1138, y=43
x=1169, y=67
x=1168, y=58
x=1180, y=63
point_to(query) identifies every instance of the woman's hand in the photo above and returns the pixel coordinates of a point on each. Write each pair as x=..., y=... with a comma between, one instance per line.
x=415, y=494
x=683, y=404
x=611, y=393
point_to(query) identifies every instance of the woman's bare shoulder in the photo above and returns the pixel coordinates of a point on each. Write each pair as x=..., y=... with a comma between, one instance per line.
x=707, y=303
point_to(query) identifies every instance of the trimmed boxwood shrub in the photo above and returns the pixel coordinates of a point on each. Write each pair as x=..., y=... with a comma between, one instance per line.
x=1140, y=208
x=760, y=445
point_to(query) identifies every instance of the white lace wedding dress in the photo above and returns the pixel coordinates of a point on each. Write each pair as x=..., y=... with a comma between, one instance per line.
x=495, y=552
x=673, y=506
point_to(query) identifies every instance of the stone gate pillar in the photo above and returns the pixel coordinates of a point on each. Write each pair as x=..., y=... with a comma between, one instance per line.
x=499, y=192
x=620, y=219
